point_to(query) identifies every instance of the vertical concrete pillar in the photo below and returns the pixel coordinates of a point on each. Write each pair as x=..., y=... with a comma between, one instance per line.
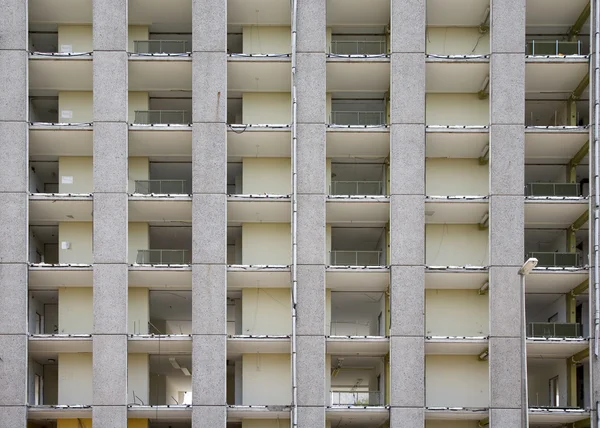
x=110, y=213
x=507, y=157
x=311, y=115
x=209, y=216
x=14, y=218
x=407, y=213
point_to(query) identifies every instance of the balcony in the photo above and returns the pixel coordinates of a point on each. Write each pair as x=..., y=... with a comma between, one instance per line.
x=356, y=188
x=556, y=259
x=356, y=258
x=356, y=398
x=351, y=45
x=162, y=117
x=147, y=187
x=164, y=257
x=551, y=329
x=161, y=46
x=553, y=48
x=360, y=118
x=357, y=381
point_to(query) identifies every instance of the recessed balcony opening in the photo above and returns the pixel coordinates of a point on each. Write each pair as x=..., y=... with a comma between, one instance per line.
x=41, y=424
x=557, y=247
x=43, y=379
x=43, y=176
x=550, y=385
x=43, y=38
x=551, y=110
x=234, y=381
x=170, y=379
x=353, y=110
x=358, y=176
x=170, y=312
x=557, y=180
x=43, y=108
x=357, y=381
x=43, y=244
x=234, y=110
x=166, y=177
x=234, y=178
x=358, y=246
x=234, y=245
x=168, y=245
x=556, y=41
x=166, y=108
x=235, y=39
x=164, y=43
x=234, y=313
x=358, y=40
x=357, y=314
x=43, y=312
x=549, y=316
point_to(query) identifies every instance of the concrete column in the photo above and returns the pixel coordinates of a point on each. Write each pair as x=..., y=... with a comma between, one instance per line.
x=311, y=116
x=14, y=217
x=507, y=157
x=407, y=213
x=209, y=215
x=110, y=213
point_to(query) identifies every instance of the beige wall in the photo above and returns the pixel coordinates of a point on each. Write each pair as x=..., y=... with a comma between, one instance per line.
x=139, y=169
x=266, y=243
x=266, y=175
x=539, y=374
x=452, y=424
x=138, y=310
x=456, y=313
x=75, y=38
x=264, y=423
x=74, y=423
x=79, y=234
x=266, y=40
x=266, y=108
x=445, y=177
x=75, y=106
x=456, y=109
x=139, y=239
x=456, y=381
x=266, y=379
x=457, y=41
x=75, y=378
x=138, y=366
x=266, y=311
x=456, y=245
x=137, y=101
x=75, y=174
x=75, y=310
x=136, y=32
x=176, y=384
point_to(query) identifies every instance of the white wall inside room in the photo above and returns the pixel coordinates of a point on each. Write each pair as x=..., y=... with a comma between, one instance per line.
x=75, y=174
x=266, y=108
x=456, y=245
x=78, y=235
x=266, y=40
x=266, y=243
x=356, y=314
x=138, y=310
x=456, y=381
x=456, y=109
x=75, y=310
x=75, y=38
x=266, y=311
x=170, y=237
x=457, y=41
x=172, y=171
x=139, y=237
x=137, y=378
x=539, y=373
x=449, y=177
x=175, y=385
x=456, y=313
x=75, y=107
x=138, y=169
x=137, y=101
x=266, y=379
x=75, y=378
x=266, y=175
x=44, y=303
x=136, y=32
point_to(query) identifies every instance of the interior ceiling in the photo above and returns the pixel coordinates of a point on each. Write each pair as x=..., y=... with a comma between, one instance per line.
x=347, y=237
x=173, y=237
x=160, y=364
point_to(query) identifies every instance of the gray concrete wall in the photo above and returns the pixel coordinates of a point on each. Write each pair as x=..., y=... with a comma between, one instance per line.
x=209, y=212
x=311, y=116
x=507, y=156
x=407, y=218
x=110, y=72
x=14, y=216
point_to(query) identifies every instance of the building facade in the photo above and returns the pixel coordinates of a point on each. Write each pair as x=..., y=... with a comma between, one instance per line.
x=264, y=213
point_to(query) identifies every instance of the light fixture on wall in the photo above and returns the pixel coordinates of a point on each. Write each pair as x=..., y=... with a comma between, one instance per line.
x=484, y=355
x=484, y=288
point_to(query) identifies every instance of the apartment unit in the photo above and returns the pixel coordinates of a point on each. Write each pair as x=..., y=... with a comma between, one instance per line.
x=315, y=213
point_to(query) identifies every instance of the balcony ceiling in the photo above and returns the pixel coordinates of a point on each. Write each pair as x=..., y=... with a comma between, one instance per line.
x=256, y=142
x=455, y=77
x=159, y=74
x=160, y=141
x=358, y=12
x=553, y=147
x=455, y=280
x=259, y=75
x=554, y=214
x=60, y=141
x=160, y=210
x=58, y=74
x=463, y=13
x=63, y=11
x=557, y=78
x=258, y=12
x=358, y=76
x=146, y=12
x=456, y=144
x=553, y=13
x=554, y=282
x=60, y=209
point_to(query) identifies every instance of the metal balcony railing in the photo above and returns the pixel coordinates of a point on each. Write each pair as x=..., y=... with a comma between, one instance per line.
x=551, y=329
x=147, y=187
x=358, y=47
x=356, y=398
x=553, y=47
x=356, y=187
x=161, y=46
x=553, y=189
x=164, y=257
x=358, y=117
x=164, y=117
x=556, y=259
x=355, y=258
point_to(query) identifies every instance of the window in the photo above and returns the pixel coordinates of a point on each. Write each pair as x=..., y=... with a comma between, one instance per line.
x=554, y=396
x=38, y=324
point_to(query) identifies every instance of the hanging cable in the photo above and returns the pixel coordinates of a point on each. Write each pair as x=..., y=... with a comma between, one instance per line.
x=294, y=220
